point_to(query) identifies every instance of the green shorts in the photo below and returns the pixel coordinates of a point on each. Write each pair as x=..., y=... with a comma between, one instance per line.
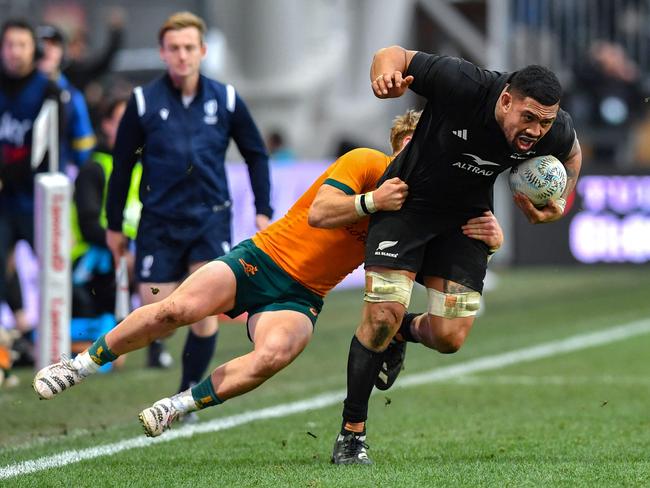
x=263, y=286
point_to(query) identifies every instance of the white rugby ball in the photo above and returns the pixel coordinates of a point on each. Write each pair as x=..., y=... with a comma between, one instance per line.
x=541, y=179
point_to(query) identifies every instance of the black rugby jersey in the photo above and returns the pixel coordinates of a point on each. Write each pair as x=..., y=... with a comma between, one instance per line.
x=458, y=148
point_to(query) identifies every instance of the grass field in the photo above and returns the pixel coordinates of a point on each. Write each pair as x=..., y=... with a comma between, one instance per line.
x=549, y=390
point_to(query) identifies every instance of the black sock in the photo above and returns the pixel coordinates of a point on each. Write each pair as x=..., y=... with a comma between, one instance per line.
x=154, y=350
x=405, y=327
x=197, y=355
x=363, y=368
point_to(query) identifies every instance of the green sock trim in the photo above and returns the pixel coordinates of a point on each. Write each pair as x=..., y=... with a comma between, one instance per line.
x=100, y=353
x=204, y=395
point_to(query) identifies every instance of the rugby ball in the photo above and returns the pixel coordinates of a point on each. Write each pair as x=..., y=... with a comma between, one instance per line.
x=541, y=179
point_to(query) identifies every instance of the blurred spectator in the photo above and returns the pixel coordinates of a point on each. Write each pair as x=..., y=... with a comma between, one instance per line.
x=88, y=71
x=23, y=89
x=81, y=68
x=606, y=101
x=278, y=148
x=93, y=270
x=79, y=138
x=76, y=144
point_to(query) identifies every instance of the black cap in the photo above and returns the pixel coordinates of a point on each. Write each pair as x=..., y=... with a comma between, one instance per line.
x=51, y=33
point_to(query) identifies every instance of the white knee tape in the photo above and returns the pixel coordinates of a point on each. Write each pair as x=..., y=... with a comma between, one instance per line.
x=452, y=305
x=388, y=287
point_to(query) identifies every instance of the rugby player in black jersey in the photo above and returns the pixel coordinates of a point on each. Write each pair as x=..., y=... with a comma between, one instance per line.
x=476, y=124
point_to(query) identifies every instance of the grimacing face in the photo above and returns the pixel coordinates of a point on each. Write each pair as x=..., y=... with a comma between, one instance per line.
x=18, y=51
x=525, y=120
x=182, y=51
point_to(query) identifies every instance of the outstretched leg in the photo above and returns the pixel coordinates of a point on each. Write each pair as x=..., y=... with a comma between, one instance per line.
x=279, y=337
x=208, y=291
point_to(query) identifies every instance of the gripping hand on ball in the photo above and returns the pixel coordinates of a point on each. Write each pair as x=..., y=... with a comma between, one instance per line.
x=551, y=212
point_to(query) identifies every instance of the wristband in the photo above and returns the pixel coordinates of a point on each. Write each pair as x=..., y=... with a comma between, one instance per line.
x=358, y=207
x=370, y=202
x=365, y=204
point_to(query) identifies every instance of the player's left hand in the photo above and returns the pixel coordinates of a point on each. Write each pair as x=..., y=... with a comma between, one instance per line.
x=549, y=213
x=262, y=221
x=485, y=228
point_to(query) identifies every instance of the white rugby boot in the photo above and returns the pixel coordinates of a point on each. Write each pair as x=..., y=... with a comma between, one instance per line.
x=58, y=377
x=159, y=417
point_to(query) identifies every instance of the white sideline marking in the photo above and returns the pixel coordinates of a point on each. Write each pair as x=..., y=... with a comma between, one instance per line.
x=529, y=380
x=496, y=361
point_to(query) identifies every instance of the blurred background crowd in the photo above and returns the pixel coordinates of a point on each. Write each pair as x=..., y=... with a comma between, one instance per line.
x=302, y=65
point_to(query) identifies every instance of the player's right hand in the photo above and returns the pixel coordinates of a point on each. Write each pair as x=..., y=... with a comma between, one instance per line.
x=117, y=243
x=391, y=194
x=391, y=85
x=549, y=213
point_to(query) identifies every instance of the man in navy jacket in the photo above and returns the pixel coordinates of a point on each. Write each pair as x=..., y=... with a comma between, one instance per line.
x=23, y=90
x=179, y=126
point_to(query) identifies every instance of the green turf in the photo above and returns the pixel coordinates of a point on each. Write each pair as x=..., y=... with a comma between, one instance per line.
x=574, y=419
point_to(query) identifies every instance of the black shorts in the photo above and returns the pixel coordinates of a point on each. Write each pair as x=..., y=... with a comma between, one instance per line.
x=165, y=249
x=415, y=242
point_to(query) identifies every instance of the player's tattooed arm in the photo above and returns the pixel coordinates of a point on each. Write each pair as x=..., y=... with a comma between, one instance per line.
x=572, y=164
x=554, y=209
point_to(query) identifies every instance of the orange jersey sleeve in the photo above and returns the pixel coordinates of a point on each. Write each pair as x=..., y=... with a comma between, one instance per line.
x=320, y=258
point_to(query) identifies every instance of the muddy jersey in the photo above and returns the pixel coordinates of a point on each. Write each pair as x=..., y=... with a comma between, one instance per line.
x=320, y=258
x=458, y=149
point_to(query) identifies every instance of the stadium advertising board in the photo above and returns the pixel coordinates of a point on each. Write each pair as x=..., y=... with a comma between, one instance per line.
x=607, y=221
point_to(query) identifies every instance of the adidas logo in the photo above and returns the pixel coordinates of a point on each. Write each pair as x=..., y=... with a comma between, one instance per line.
x=462, y=133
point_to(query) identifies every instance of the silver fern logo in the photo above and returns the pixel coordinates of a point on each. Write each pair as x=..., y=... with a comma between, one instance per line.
x=385, y=245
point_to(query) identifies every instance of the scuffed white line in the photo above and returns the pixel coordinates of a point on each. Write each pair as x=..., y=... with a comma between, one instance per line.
x=534, y=381
x=541, y=351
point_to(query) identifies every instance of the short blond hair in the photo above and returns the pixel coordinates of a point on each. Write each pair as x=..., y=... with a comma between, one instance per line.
x=403, y=126
x=181, y=20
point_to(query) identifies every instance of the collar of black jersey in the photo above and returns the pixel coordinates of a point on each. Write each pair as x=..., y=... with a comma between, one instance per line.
x=169, y=82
